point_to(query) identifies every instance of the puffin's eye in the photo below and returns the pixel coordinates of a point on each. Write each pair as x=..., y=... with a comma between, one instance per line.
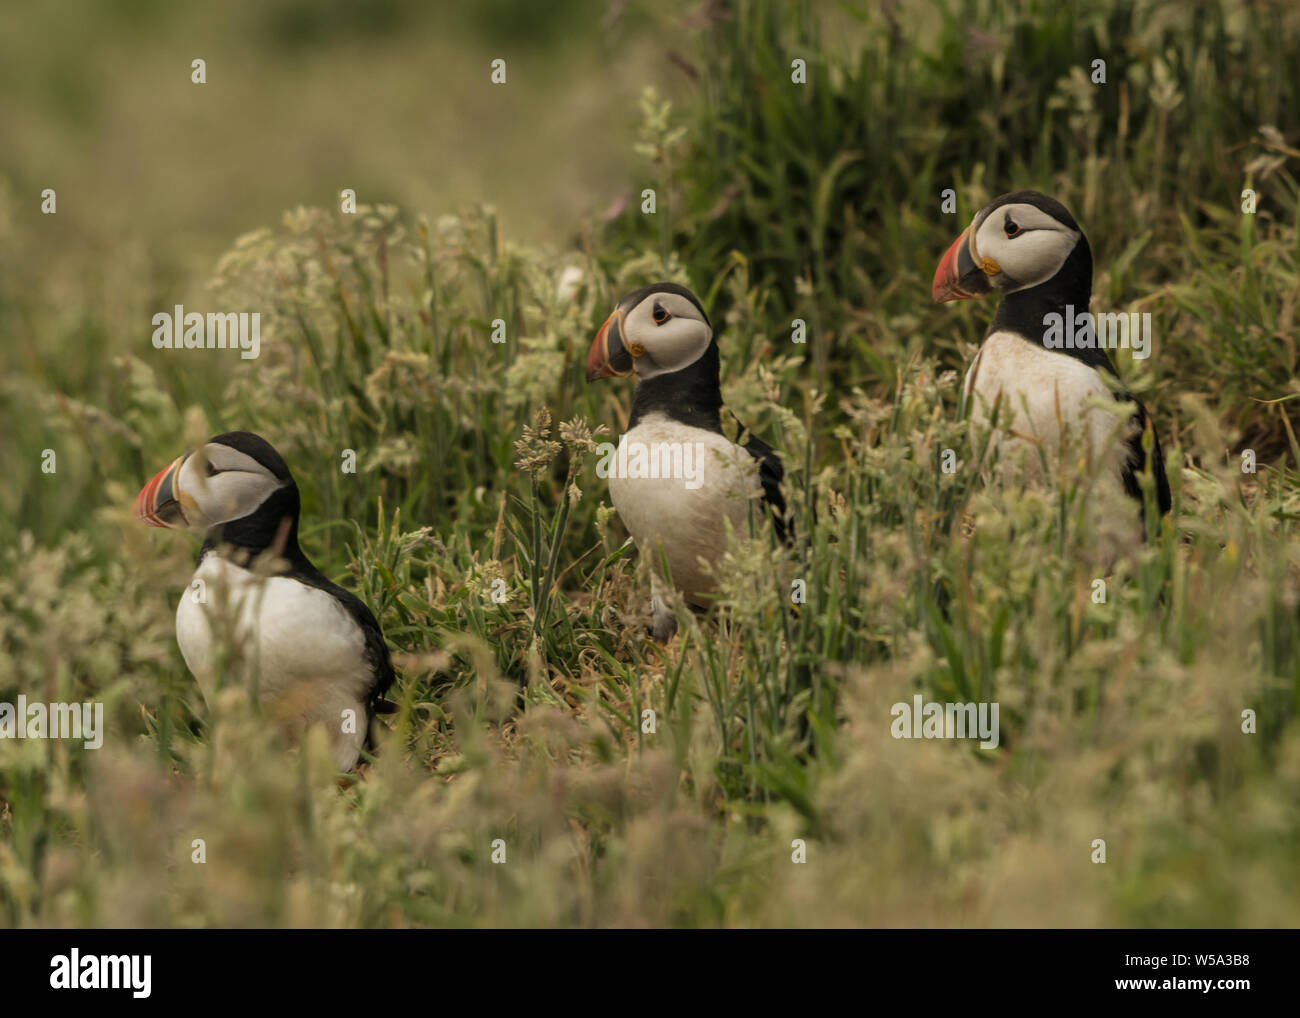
x=1010, y=227
x=661, y=314
x=212, y=471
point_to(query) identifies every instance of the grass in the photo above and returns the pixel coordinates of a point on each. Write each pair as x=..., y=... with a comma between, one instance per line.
x=522, y=717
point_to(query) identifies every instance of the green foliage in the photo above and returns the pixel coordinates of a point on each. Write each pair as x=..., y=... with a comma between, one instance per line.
x=636, y=784
x=831, y=190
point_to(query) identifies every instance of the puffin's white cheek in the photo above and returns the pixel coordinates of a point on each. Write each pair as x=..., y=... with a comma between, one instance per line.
x=678, y=345
x=217, y=500
x=1035, y=257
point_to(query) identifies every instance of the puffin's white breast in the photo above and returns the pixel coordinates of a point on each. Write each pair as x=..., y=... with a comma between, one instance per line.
x=709, y=481
x=1044, y=393
x=305, y=651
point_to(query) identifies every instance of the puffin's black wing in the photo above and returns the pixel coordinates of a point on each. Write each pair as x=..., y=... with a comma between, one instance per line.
x=381, y=665
x=376, y=650
x=1136, y=459
x=770, y=473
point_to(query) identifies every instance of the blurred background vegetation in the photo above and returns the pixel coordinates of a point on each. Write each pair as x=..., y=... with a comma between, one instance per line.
x=522, y=202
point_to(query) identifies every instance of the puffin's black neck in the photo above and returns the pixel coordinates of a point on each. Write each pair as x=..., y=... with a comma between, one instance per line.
x=274, y=525
x=692, y=396
x=1024, y=312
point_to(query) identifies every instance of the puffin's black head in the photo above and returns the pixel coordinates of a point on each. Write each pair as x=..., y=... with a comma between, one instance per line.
x=656, y=330
x=236, y=481
x=1016, y=242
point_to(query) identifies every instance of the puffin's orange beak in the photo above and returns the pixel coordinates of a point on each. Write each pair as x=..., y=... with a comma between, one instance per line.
x=608, y=358
x=958, y=277
x=158, y=503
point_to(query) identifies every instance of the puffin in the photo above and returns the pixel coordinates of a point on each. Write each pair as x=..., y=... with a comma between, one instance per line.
x=1027, y=247
x=314, y=649
x=686, y=470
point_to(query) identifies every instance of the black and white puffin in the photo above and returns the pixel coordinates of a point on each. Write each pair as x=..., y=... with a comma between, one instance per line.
x=1027, y=247
x=316, y=650
x=661, y=334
